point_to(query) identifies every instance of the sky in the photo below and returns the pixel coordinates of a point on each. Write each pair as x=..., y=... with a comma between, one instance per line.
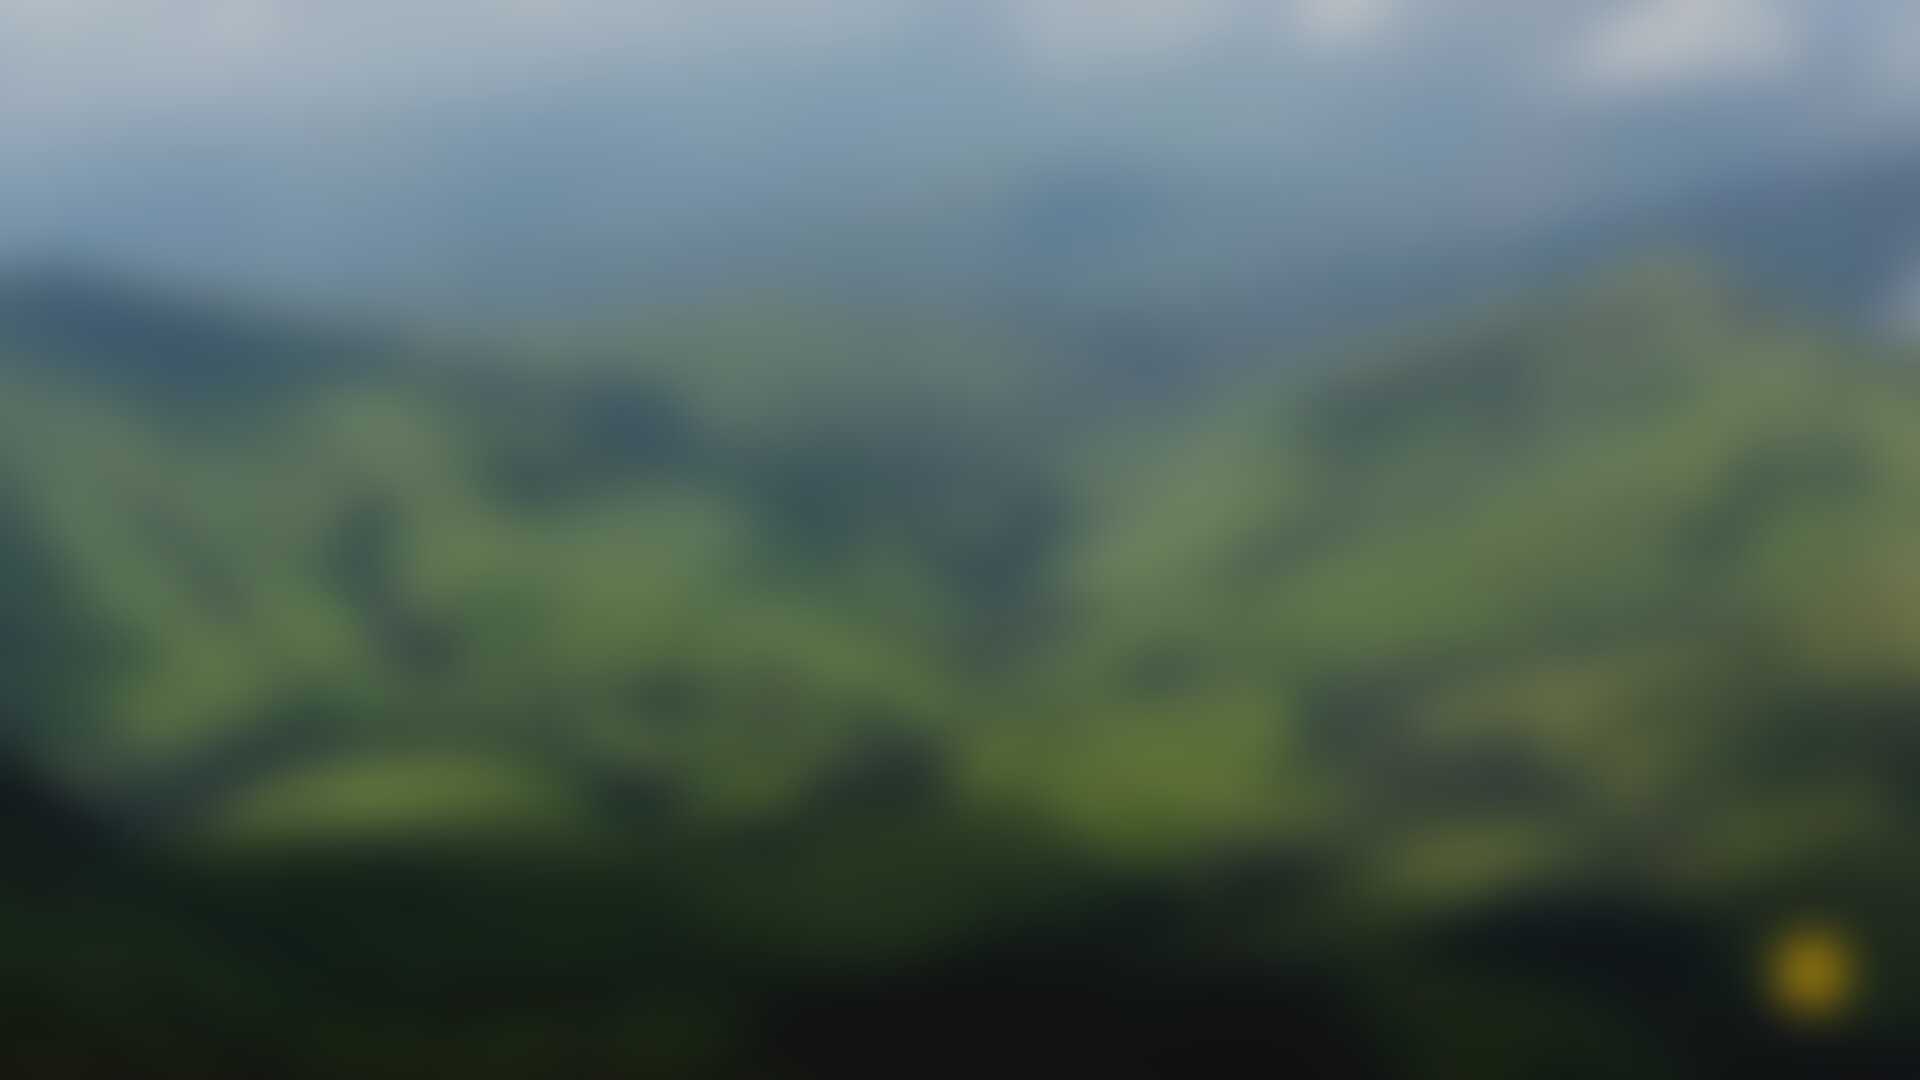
x=111, y=54
x=322, y=144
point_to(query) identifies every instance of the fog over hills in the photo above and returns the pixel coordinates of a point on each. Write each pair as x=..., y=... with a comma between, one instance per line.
x=588, y=157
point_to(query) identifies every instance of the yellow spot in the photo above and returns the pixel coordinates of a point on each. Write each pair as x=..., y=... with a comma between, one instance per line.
x=1811, y=972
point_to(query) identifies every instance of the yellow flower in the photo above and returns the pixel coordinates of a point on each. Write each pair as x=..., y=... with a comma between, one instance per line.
x=1811, y=974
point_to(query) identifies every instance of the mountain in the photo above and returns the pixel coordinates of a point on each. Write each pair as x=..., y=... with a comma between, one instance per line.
x=162, y=343
x=1837, y=235
x=740, y=677
x=1134, y=262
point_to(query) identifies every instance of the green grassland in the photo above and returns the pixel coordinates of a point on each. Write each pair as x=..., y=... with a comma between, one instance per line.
x=598, y=699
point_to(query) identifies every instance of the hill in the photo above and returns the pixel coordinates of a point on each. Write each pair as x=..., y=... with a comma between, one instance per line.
x=698, y=680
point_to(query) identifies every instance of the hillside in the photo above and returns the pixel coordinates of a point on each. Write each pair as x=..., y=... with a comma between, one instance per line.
x=1515, y=675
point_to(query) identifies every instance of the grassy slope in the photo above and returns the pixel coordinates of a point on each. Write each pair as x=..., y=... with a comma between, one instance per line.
x=814, y=643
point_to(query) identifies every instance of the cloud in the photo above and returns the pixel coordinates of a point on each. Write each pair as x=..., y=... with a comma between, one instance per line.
x=1343, y=25
x=1652, y=46
x=1895, y=62
x=98, y=53
x=1075, y=34
x=1109, y=34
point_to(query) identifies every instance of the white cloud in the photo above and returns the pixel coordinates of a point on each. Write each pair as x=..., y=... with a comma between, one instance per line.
x=1661, y=45
x=1895, y=66
x=71, y=57
x=1078, y=33
x=1102, y=33
x=1343, y=25
x=87, y=53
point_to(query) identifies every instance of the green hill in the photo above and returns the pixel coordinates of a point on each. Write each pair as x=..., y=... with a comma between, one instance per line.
x=674, y=678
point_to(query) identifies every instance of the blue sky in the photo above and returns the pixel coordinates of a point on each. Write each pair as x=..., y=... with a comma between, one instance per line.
x=321, y=142
x=108, y=54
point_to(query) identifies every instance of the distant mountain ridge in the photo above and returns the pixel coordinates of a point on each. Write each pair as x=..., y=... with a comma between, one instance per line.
x=85, y=318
